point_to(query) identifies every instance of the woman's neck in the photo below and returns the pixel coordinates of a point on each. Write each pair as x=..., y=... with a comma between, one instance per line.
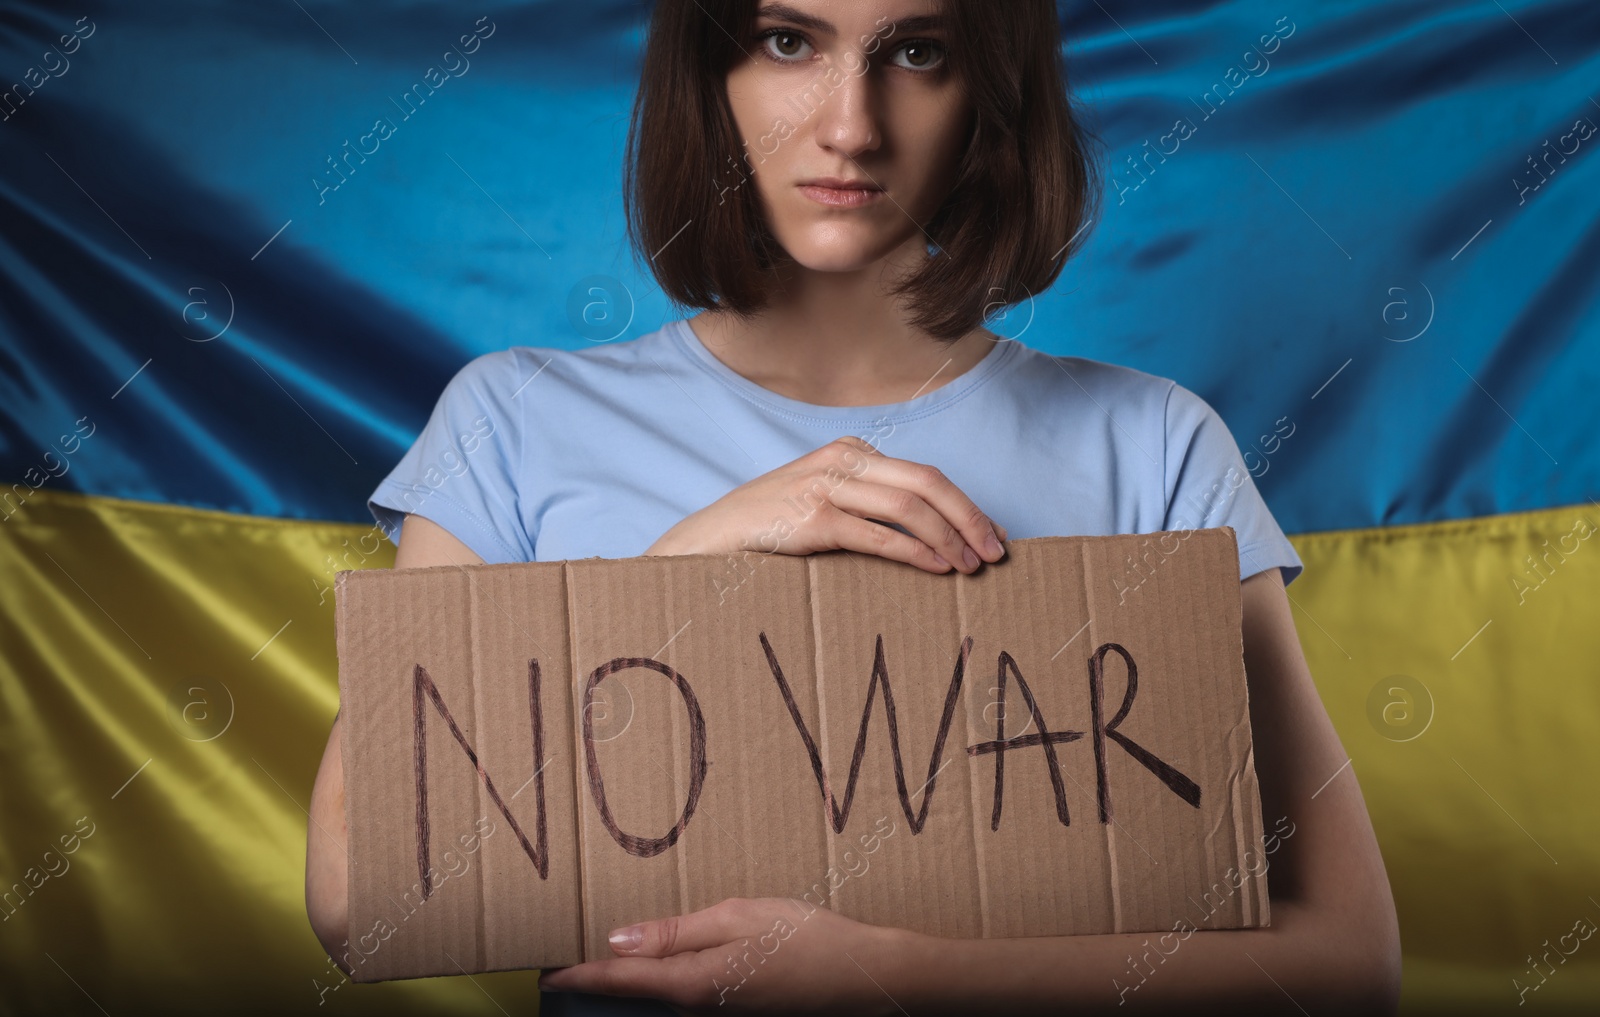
x=834, y=339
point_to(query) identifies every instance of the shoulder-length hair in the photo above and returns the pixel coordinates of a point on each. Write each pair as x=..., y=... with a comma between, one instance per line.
x=1025, y=188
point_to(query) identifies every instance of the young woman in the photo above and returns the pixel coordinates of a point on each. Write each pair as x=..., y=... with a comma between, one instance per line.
x=847, y=189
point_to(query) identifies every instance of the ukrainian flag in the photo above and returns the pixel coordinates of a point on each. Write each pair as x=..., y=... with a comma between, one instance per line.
x=1366, y=233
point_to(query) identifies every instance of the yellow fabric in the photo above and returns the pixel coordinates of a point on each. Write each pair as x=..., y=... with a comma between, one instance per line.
x=187, y=893
x=1474, y=814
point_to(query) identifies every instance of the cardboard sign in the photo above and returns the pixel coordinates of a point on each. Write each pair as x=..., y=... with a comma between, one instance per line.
x=537, y=753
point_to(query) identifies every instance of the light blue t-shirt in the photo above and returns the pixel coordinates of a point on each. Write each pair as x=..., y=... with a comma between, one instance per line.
x=536, y=454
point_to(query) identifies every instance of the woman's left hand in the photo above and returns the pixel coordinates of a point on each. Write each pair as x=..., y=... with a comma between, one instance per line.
x=771, y=954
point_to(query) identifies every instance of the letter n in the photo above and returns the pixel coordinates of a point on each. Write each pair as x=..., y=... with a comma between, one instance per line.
x=422, y=683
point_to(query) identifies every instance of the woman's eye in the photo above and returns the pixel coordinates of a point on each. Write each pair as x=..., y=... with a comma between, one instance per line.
x=783, y=45
x=924, y=54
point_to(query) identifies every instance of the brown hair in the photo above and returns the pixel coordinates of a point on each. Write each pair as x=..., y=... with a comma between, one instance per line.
x=1024, y=189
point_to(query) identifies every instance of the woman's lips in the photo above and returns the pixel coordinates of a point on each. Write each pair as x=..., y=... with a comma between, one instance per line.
x=840, y=197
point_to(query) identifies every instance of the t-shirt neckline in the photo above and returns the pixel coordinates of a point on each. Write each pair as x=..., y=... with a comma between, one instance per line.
x=930, y=402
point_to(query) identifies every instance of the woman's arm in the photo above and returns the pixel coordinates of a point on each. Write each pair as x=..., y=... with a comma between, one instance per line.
x=422, y=543
x=1333, y=944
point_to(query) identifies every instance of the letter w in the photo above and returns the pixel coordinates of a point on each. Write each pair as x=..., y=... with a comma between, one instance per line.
x=880, y=673
x=540, y=856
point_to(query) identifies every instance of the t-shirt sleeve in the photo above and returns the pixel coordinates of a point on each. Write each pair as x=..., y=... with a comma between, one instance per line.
x=462, y=470
x=1208, y=485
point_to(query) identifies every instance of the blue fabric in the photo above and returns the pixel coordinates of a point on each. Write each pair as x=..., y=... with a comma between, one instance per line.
x=539, y=454
x=1370, y=175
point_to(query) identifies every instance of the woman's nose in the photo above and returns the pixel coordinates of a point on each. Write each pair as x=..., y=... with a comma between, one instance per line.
x=848, y=120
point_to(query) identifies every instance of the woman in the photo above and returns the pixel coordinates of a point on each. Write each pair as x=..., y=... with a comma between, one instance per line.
x=846, y=188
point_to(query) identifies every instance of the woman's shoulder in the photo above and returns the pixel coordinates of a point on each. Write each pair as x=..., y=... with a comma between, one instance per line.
x=1108, y=386
x=507, y=372
x=1131, y=401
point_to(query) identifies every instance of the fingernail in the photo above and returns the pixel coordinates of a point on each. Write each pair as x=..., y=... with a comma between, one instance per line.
x=970, y=557
x=992, y=545
x=627, y=939
x=939, y=560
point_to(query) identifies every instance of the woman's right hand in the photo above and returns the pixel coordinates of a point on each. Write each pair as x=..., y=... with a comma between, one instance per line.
x=828, y=500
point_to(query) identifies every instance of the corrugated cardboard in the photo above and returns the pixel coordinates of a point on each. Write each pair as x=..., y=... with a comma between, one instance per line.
x=538, y=753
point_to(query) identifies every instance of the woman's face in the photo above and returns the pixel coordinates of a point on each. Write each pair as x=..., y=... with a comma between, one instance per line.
x=855, y=91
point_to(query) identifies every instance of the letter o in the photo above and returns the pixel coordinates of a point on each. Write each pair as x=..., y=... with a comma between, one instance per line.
x=645, y=847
